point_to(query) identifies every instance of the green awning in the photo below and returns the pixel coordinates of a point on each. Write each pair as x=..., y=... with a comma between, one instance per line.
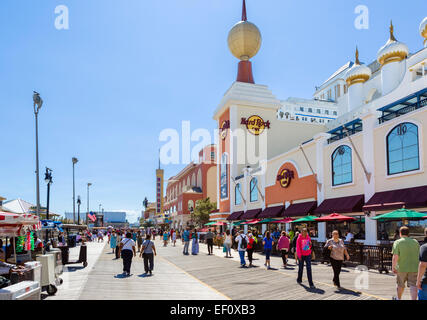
x=305, y=219
x=238, y=223
x=401, y=214
x=210, y=223
x=268, y=220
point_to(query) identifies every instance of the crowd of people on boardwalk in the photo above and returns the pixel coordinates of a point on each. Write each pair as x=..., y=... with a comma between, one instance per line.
x=409, y=258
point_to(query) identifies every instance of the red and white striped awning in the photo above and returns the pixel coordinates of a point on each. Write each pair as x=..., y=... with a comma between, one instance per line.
x=13, y=224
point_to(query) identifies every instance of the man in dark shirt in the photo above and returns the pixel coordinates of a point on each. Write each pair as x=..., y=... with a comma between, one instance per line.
x=422, y=272
x=209, y=241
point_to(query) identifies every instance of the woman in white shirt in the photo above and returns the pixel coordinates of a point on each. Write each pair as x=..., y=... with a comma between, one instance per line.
x=228, y=240
x=127, y=248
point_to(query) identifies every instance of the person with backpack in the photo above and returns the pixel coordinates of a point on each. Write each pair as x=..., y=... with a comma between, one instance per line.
x=242, y=244
x=148, y=251
x=337, y=250
x=303, y=251
x=268, y=243
x=127, y=248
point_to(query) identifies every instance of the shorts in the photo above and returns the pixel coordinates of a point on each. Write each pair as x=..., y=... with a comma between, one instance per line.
x=409, y=277
x=267, y=254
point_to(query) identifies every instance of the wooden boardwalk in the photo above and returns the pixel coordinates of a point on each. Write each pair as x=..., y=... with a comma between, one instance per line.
x=203, y=277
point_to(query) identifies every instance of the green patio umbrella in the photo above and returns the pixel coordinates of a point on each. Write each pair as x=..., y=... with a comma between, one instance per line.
x=400, y=214
x=268, y=220
x=305, y=219
x=210, y=223
x=238, y=223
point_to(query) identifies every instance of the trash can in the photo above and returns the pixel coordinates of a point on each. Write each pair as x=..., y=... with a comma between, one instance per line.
x=72, y=241
x=35, y=268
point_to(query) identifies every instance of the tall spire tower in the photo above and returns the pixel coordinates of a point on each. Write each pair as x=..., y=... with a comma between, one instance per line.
x=244, y=42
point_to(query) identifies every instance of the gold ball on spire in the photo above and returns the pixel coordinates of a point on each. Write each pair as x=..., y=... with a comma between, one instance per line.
x=244, y=40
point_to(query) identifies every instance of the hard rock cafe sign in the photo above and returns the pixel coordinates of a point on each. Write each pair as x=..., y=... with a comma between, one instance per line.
x=255, y=124
x=224, y=127
x=285, y=177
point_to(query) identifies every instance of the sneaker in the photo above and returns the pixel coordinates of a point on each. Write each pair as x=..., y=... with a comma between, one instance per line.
x=312, y=286
x=151, y=273
x=299, y=281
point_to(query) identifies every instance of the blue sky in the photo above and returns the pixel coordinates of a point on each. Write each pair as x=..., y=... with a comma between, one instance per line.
x=125, y=70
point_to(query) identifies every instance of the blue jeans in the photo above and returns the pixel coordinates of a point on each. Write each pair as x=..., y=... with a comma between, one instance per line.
x=307, y=260
x=242, y=258
x=422, y=294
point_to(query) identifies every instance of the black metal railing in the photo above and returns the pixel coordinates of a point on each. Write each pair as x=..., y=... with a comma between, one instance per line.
x=404, y=110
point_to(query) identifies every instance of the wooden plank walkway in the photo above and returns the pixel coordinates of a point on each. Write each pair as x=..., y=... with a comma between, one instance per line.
x=167, y=282
x=203, y=277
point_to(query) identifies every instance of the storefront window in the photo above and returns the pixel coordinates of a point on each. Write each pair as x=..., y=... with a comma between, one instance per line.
x=237, y=194
x=312, y=228
x=357, y=228
x=342, y=171
x=254, y=190
x=402, y=149
x=389, y=231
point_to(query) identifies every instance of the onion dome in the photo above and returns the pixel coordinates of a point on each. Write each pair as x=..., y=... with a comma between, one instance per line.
x=393, y=50
x=244, y=39
x=423, y=29
x=358, y=73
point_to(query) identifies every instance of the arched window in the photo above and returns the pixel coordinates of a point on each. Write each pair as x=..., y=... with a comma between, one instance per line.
x=342, y=171
x=238, y=196
x=402, y=149
x=199, y=178
x=254, y=190
x=193, y=180
x=190, y=205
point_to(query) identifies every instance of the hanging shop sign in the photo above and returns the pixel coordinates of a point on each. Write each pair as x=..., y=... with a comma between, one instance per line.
x=285, y=177
x=224, y=127
x=255, y=124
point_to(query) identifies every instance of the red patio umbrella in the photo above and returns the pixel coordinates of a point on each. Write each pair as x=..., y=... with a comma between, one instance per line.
x=334, y=217
x=219, y=223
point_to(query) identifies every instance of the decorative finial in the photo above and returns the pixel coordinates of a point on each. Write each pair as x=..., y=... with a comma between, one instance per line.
x=357, y=56
x=244, y=16
x=392, y=31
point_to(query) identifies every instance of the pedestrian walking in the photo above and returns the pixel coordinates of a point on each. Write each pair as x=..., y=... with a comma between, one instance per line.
x=228, y=241
x=250, y=248
x=268, y=243
x=242, y=244
x=209, y=241
x=405, y=263
x=113, y=241
x=218, y=240
x=186, y=240
x=337, y=252
x=165, y=238
x=148, y=251
x=174, y=235
x=283, y=247
x=294, y=247
x=303, y=251
x=422, y=271
x=195, y=243
x=127, y=248
x=118, y=241
x=139, y=240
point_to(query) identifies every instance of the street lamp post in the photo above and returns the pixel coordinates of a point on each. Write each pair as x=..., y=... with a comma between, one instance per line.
x=79, y=202
x=74, y=160
x=88, y=185
x=48, y=179
x=38, y=101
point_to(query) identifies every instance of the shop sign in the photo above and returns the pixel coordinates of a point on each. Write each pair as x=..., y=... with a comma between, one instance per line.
x=255, y=124
x=224, y=127
x=285, y=177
